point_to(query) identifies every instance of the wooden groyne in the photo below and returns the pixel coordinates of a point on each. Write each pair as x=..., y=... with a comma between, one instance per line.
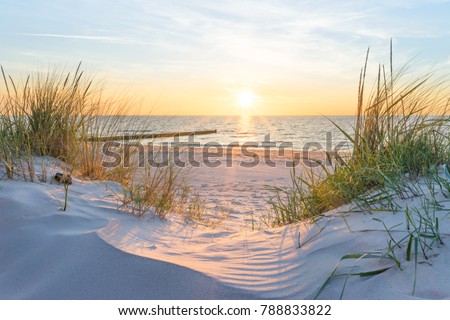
x=127, y=137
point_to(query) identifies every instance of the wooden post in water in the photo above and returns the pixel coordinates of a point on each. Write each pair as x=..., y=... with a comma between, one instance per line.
x=151, y=135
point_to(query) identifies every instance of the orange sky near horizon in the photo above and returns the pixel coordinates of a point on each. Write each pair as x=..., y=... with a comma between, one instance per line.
x=275, y=99
x=227, y=58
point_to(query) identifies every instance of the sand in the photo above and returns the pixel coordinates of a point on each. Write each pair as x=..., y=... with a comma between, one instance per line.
x=94, y=251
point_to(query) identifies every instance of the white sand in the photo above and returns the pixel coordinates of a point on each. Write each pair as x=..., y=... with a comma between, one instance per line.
x=92, y=251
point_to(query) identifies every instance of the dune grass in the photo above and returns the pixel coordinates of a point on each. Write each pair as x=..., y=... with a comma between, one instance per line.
x=401, y=132
x=414, y=241
x=161, y=191
x=400, y=140
x=53, y=113
x=62, y=114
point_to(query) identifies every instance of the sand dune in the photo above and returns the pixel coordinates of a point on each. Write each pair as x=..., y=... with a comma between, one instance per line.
x=93, y=251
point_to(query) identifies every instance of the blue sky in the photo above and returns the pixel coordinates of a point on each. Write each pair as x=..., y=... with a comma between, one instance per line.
x=293, y=55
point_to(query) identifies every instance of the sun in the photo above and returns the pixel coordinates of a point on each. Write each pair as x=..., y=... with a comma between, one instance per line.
x=246, y=99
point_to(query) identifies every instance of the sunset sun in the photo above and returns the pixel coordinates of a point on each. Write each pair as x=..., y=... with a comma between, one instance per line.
x=246, y=99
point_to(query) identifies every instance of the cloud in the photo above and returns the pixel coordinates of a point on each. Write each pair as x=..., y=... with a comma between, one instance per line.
x=81, y=37
x=250, y=41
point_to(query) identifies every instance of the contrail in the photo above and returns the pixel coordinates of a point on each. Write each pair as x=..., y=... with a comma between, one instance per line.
x=67, y=36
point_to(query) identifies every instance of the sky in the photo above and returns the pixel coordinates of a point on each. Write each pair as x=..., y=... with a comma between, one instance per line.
x=196, y=57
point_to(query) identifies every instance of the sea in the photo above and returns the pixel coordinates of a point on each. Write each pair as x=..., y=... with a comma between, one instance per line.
x=297, y=132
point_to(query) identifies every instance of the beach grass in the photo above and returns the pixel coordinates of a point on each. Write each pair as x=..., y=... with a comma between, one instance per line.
x=66, y=115
x=161, y=190
x=415, y=240
x=401, y=132
x=51, y=113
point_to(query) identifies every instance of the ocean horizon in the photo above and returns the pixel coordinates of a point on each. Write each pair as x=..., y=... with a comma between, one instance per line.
x=301, y=132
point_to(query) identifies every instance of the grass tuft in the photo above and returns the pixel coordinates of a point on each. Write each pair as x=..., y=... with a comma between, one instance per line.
x=401, y=133
x=54, y=113
x=63, y=115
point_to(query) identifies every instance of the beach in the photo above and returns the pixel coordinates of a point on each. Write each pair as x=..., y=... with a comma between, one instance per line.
x=95, y=251
x=248, y=150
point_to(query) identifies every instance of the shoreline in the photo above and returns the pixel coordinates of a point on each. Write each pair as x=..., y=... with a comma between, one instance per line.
x=212, y=155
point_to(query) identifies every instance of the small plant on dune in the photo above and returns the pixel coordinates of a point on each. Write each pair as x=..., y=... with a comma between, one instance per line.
x=357, y=258
x=196, y=210
x=67, y=181
x=160, y=190
x=395, y=138
x=157, y=190
x=443, y=183
x=66, y=196
x=292, y=204
x=196, y=213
